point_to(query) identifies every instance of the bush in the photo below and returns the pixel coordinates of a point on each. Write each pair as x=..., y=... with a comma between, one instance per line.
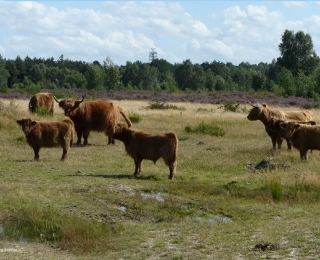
x=163, y=105
x=234, y=107
x=135, y=118
x=204, y=128
x=43, y=111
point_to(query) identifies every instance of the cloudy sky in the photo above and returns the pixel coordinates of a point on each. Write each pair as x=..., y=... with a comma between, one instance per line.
x=226, y=31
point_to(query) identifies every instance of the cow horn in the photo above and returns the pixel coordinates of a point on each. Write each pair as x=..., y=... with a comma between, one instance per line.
x=55, y=98
x=254, y=105
x=83, y=98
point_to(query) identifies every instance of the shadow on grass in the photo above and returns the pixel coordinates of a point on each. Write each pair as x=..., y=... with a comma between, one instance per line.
x=115, y=176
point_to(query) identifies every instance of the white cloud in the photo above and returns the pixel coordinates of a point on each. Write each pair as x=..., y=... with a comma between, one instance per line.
x=126, y=31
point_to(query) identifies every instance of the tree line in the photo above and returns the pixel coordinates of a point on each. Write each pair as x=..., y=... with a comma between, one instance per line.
x=296, y=72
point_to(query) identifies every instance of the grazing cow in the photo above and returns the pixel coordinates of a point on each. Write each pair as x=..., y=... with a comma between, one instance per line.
x=48, y=134
x=42, y=100
x=303, y=137
x=265, y=115
x=140, y=145
x=100, y=116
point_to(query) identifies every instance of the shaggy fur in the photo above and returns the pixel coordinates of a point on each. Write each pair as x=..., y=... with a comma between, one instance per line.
x=100, y=116
x=42, y=100
x=140, y=145
x=48, y=134
x=265, y=115
x=303, y=137
x=274, y=126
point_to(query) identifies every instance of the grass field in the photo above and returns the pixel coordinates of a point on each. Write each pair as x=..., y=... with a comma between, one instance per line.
x=217, y=206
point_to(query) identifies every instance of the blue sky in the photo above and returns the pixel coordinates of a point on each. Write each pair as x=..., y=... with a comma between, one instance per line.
x=202, y=31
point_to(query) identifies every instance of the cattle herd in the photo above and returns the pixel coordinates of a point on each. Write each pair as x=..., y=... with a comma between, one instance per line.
x=100, y=116
x=298, y=128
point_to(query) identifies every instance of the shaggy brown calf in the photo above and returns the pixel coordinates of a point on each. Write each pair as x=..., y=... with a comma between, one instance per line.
x=140, y=145
x=303, y=137
x=265, y=115
x=100, y=116
x=42, y=100
x=274, y=126
x=48, y=134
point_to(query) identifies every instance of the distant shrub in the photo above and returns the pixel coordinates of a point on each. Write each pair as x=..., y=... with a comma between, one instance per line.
x=135, y=118
x=204, y=128
x=234, y=107
x=163, y=105
x=43, y=111
x=201, y=109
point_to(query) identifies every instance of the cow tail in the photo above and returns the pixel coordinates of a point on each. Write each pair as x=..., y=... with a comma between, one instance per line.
x=175, y=145
x=125, y=117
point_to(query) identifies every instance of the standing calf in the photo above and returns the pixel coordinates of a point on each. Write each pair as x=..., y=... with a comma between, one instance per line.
x=48, y=134
x=265, y=115
x=303, y=137
x=140, y=145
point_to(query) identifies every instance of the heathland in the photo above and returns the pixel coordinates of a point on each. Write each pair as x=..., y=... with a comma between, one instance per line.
x=231, y=194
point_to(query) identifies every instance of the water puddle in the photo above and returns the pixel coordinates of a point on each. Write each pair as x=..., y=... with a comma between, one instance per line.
x=210, y=218
x=157, y=196
x=201, y=215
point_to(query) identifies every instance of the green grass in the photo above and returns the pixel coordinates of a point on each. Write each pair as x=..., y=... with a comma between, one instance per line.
x=92, y=207
x=163, y=105
x=205, y=128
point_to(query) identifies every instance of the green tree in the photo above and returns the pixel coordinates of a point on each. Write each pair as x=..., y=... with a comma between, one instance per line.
x=286, y=82
x=112, y=74
x=297, y=53
x=95, y=77
x=4, y=74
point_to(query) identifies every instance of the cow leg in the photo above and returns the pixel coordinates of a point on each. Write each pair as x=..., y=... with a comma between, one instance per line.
x=79, y=135
x=85, y=137
x=137, y=169
x=109, y=132
x=289, y=144
x=279, y=141
x=172, y=169
x=64, y=154
x=36, y=153
x=111, y=140
x=303, y=155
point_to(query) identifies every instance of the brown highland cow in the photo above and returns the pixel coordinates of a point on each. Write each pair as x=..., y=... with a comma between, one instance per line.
x=140, y=146
x=45, y=100
x=48, y=134
x=99, y=115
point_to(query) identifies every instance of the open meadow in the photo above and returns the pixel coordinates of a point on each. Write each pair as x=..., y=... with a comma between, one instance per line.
x=219, y=205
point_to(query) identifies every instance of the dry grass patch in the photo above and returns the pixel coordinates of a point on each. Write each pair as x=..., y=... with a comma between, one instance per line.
x=92, y=206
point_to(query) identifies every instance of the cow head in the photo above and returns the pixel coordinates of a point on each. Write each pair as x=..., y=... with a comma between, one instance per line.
x=26, y=124
x=255, y=111
x=69, y=105
x=289, y=127
x=274, y=124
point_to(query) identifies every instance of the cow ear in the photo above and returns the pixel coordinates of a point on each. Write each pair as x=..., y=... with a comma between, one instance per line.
x=282, y=125
x=33, y=123
x=19, y=122
x=264, y=105
x=77, y=103
x=62, y=103
x=296, y=126
x=118, y=128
